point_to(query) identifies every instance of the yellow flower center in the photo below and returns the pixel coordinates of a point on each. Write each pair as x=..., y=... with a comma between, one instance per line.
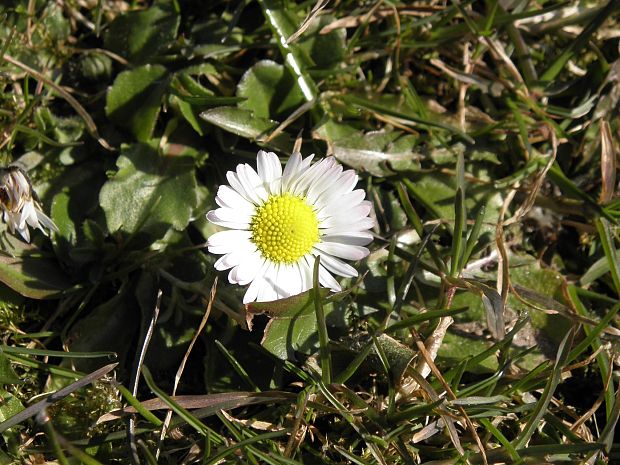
x=284, y=228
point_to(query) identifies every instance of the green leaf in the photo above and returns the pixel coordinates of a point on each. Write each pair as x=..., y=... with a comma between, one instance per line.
x=325, y=50
x=269, y=90
x=134, y=99
x=149, y=193
x=25, y=270
x=293, y=325
x=76, y=195
x=110, y=327
x=7, y=374
x=243, y=123
x=96, y=66
x=56, y=25
x=378, y=153
x=456, y=348
x=397, y=355
x=9, y=406
x=141, y=35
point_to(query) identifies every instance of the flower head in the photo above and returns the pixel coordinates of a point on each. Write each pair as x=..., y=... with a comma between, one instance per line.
x=19, y=203
x=278, y=221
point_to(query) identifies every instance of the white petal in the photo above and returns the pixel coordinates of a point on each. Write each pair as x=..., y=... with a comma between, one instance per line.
x=346, y=251
x=247, y=270
x=231, y=238
x=288, y=280
x=279, y=281
x=327, y=280
x=332, y=224
x=315, y=174
x=361, y=225
x=228, y=197
x=337, y=266
x=46, y=221
x=320, y=185
x=234, y=182
x=298, y=283
x=21, y=182
x=228, y=218
x=25, y=233
x=234, y=254
x=306, y=268
x=344, y=212
x=349, y=237
x=305, y=163
x=347, y=200
x=268, y=166
x=252, y=183
x=227, y=261
x=267, y=292
x=290, y=170
x=255, y=286
x=244, y=246
x=345, y=183
x=28, y=215
x=11, y=220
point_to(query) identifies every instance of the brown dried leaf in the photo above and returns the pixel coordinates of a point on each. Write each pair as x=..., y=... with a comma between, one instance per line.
x=608, y=163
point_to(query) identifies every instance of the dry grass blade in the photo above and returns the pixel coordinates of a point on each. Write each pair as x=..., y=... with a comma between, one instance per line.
x=432, y=345
x=538, y=182
x=608, y=163
x=503, y=264
x=179, y=373
x=288, y=121
x=448, y=421
x=379, y=13
x=135, y=378
x=316, y=10
x=214, y=402
x=429, y=359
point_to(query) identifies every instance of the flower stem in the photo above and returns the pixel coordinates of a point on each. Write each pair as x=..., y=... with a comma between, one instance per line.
x=326, y=363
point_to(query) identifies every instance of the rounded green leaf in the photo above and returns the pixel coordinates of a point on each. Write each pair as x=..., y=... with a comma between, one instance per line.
x=134, y=99
x=141, y=35
x=269, y=90
x=293, y=325
x=25, y=270
x=149, y=193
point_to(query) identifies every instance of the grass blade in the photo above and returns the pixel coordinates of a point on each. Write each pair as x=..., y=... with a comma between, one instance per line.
x=237, y=366
x=580, y=41
x=607, y=241
x=457, y=235
x=545, y=399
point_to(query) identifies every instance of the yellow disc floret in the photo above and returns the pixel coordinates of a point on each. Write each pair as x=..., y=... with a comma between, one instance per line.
x=285, y=228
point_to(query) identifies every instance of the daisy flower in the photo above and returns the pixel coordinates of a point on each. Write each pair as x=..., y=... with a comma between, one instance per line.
x=19, y=203
x=278, y=221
